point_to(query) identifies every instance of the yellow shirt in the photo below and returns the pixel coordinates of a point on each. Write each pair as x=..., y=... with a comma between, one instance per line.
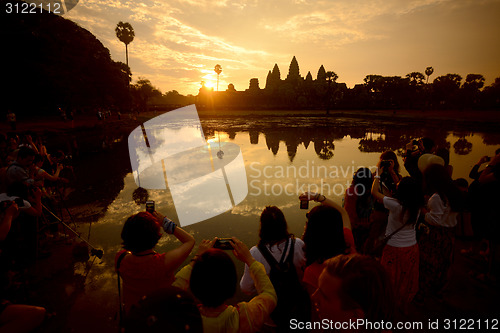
x=245, y=316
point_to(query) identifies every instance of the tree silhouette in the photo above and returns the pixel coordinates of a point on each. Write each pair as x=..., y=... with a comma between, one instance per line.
x=331, y=76
x=428, y=71
x=125, y=34
x=324, y=148
x=218, y=70
x=416, y=78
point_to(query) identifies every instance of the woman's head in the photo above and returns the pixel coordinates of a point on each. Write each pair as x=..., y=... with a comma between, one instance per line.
x=410, y=196
x=324, y=234
x=213, y=278
x=438, y=180
x=273, y=226
x=354, y=286
x=362, y=181
x=390, y=155
x=140, y=232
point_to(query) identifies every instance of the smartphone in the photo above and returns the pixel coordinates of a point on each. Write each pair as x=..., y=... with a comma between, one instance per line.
x=223, y=244
x=304, y=204
x=150, y=206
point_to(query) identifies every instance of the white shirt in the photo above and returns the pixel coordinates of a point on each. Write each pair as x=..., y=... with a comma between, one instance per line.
x=299, y=261
x=404, y=237
x=440, y=213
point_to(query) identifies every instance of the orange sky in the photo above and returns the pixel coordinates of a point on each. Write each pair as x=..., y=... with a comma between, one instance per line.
x=178, y=43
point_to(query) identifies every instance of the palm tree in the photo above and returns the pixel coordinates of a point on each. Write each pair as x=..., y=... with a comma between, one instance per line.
x=125, y=34
x=218, y=70
x=428, y=71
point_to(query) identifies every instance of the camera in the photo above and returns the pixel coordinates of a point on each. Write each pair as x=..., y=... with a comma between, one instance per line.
x=385, y=164
x=304, y=204
x=150, y=206
x=223, y=244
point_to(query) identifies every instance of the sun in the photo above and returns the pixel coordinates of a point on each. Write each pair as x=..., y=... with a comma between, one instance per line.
x=209, y=84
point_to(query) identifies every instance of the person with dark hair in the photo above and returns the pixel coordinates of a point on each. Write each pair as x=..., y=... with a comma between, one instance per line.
x=18, y=171
x=479, y=198
x=400, y=255
x=14, y=317
x=490, y=178
x=445, y=155
x=276, y=241
x=142, y=269
x=327, y=233
x=275, y=237
x=388, y=167
x=354, y=287
x=358, y=203
x=436, y=245
x=170, y=310
x=212, y=278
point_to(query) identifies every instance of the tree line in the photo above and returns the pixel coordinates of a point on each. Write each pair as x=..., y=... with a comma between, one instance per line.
x=413, y=91
x=52, y=62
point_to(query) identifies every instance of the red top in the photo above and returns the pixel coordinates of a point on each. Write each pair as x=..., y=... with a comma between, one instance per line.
x=142, y=275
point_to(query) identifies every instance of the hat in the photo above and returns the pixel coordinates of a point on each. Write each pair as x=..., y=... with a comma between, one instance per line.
x=427, y=159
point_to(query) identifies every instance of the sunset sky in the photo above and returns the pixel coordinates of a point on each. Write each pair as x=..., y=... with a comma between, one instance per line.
x=178, y=42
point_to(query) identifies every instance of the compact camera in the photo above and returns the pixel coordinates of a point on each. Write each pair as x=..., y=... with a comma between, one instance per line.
x=223, y=244
x=304, y=204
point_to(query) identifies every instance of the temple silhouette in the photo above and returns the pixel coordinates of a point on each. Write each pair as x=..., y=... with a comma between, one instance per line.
x=294, y=91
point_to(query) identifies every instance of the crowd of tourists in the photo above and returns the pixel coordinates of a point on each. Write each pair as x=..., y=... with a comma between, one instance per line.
x=389, y=245
x=30, y=192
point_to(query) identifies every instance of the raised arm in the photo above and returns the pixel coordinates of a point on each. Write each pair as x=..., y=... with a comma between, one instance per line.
x=175, y=257
x=375, y=189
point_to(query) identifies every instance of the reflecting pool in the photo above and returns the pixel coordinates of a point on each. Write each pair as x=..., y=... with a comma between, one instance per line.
x=283, y=157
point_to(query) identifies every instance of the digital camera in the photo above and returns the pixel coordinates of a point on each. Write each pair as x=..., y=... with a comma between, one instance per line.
x=223, y=244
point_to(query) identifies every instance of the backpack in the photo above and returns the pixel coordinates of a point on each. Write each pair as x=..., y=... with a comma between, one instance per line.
x=293, y=299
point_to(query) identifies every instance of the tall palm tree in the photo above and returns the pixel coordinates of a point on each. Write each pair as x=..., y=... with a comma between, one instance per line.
x=428, y=71
x=125, y=34
x=218, y=70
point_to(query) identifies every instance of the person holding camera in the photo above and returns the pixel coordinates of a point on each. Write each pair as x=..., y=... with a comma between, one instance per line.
x=388, y=171
x=141, y=268
x=400, y=255
x=212, y=278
